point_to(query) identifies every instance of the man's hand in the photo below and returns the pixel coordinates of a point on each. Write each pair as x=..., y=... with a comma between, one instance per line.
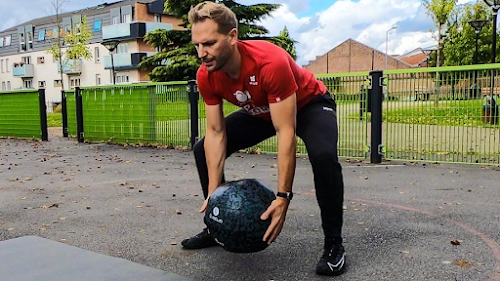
x=204, y=206
x=277, y=212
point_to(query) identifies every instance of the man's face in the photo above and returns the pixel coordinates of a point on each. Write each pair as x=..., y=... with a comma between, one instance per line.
x=214, y=49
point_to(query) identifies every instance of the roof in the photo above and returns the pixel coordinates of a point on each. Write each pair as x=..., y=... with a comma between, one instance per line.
x=366, y=46
x=414, y=60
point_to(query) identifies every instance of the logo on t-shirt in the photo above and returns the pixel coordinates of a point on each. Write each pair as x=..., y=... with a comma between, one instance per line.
x=242, y=97
x=252, y=81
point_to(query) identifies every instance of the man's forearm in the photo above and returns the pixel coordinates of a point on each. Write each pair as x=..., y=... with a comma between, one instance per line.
x=287, y=145
x=215, y=152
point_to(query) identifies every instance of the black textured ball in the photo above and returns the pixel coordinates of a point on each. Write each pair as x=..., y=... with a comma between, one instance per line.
x=233, y=215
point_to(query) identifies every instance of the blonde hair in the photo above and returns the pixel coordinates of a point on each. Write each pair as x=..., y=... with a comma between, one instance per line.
x=222, y=15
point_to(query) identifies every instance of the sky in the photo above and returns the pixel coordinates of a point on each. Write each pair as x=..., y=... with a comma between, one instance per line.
x=317, y=25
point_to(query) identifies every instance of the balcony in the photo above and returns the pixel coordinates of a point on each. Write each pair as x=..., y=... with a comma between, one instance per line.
x=125, y=61
x=131, y=30
x=23, y=71
x=70, y=67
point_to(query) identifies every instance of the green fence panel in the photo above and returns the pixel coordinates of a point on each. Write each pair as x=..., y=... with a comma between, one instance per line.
x=20, y=114
x=71, y=110
x=172, y=116
x=154, y=114
x=350, y=92
x=447, y=114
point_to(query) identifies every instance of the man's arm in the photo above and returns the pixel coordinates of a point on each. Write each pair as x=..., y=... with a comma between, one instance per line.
x=283, y=115
x=215, y=145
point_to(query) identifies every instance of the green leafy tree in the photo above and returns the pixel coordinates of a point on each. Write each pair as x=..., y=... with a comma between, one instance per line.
x=440, y=11
x=286, y=42
x=460, y=45
x=72, y=45
x=177, y=59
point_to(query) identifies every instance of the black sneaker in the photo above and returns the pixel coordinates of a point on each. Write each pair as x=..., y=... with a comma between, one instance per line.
x=332, y=261
x=199, y=241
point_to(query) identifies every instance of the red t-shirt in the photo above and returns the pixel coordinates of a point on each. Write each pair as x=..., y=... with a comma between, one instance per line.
x=268, y=74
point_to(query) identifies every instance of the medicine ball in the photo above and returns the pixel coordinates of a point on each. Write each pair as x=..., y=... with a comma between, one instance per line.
x=233, y=215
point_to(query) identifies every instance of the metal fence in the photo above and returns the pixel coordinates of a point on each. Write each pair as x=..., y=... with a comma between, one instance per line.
x=69, y=110
x=447, y=114
x=432, y=114
x=23, y=114
x=153, y=114
x=351, y=95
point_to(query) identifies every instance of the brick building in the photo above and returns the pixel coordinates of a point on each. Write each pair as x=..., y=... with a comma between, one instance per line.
x=353, y=56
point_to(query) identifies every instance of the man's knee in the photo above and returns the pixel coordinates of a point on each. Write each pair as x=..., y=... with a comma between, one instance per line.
x=324, y=157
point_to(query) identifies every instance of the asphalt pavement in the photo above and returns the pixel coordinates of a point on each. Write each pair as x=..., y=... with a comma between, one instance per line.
x=138, y=203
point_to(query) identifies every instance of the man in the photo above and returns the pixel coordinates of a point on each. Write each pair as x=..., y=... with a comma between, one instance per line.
x=277, y=98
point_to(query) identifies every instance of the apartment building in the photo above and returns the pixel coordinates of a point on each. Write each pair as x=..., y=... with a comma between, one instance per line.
x=25, y=63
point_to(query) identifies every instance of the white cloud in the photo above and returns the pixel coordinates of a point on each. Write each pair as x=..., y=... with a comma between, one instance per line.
x=366, y=21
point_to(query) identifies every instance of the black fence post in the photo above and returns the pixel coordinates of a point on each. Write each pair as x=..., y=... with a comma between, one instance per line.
x=193, y=100
x=43, y=114
x=64, y=114
x=79, y=114
x=376, y=99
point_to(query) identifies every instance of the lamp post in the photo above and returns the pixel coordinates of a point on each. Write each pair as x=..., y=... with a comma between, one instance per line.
x=495, y=6
x=477, y=25
x=111, y=46
x=387, y=43
x=427, y=53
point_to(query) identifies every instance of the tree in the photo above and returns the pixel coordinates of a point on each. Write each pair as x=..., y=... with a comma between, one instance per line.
x=178, y=59
x=56, y=8
x=284, y=41
x=459, y=46
x=70, y=45
x=439, y=10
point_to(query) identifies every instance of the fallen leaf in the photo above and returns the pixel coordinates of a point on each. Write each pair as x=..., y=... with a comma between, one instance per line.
x=10, y=229
x=455, y=242
x=178, y=212
x=153, y=184
x=406, y=252
x=23, y=198
x=463, y=263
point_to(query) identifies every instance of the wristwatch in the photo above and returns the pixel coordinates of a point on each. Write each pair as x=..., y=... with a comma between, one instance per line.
x=287, y=195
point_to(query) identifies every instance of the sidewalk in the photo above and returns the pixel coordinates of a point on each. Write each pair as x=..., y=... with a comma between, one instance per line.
x=138, y=203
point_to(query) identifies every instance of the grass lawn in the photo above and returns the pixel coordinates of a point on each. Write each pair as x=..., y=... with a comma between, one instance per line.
x=54, y=119
x=448, y=113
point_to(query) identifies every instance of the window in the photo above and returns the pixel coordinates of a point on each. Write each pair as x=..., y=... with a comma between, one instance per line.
x=22, y=43
x=41, y=35
x=8, y=86
x=28, y=84
x=122, y=48
x=74, y=82
x=122, y=78
x=57, y=83
x=26, y=60
x=41, y=84
x=97, y=55
x=98, y=79
x=126, y=18
x=67, y=29
x=30, y=40
x=1, y=66
x=157, y=18
x=7, y=66
x=2, y=40
x=3, y=86
x=115, y=20
x=40, y=60
x=97, y=25
x=8, y=39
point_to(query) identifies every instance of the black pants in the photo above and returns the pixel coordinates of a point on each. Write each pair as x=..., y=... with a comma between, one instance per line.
x=317, y=127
